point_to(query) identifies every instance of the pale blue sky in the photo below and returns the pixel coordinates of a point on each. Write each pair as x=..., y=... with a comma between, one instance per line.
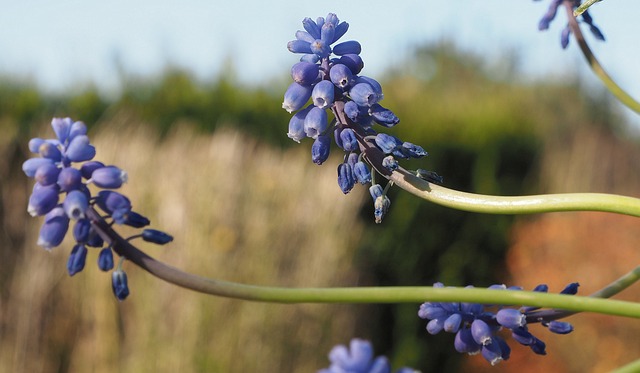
x=61, y=44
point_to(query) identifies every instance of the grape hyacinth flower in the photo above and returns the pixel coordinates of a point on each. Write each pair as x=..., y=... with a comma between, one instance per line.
x=358, y=358
x=566, y=32
x=328, y=75
x=63, y=172
x=476, y=327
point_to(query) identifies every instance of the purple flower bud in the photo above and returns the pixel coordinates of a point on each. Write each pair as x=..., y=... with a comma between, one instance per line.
x=522, y=336
x=413, y=151
x=349, y=140
x=492, y=353
x=362, y=172
x=327, y=32
x=346, y=180
x=156, y=236
x=383, y=116
x=543, y=288
x=50, y=151
x=80, y=150
x=538, y=347
x=481, y=332
x=347, y=47
x=452, y=323
x=75, y=204
x=570, y=289
x=52, y=232
x=390, y=163
x=564, y=37
x=355, y=359
x=511, y=318
x=311, y=27
x=47, y=174
x=435, y=326
x=95, y=240
x=299, y=46
x=560, y=327
x=315, y=123
x=31, y=165
x=34, y=145
x=77, y=259
x=352, y=110
x=363, y=94
x=320, y=149
x=341, y=76
x=111, y=202
x=295, y=97
x=320, y=48
x=377, y=191
x=43, y=200
x=377, y=88
x=353, y=62
x=305, y=73
x=105, y=259
x=87, y=168
x=305, y=36
x=596, y=32
x=323, y=94
x=341, y=29
x=136, y=220
x=387, y=143
x=62, y=127
x=69, y=179
x=464, y=342
x=119, y=284
x=77, y=129
x=82, y=230
x=311, y=58
x=296, y=125
x=110, y=177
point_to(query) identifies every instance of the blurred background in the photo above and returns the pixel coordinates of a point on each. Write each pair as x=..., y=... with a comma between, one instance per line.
x=186, y=98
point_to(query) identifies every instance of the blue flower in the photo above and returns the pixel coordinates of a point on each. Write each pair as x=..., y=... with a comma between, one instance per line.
x=476, y=326
x=358, y=358
x=61, y=195
x=550, y=15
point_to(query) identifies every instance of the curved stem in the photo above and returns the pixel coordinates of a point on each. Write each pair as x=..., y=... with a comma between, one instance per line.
x=614, y=88
x=514, y=205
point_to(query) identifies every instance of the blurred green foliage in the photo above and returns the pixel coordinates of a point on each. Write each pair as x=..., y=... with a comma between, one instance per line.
x=484, y=127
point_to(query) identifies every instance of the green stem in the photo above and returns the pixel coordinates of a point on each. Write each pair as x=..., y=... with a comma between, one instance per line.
x=632, y=367
x=515, y=205
x=584, y=6
x=600, y=72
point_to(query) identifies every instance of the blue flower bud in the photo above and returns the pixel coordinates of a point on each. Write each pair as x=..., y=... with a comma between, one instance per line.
x=341, y=76
x=327, y=32
x=511, y=318
x=82, y=230
x=69, y=179
x=363, y=94
x=43, y=200
x=538, y=347
x=570, y=289
x=390, y=163
x=311, y=27
x=320, y=48
x=323, y=94
x=352, y=110
x=47, y=174
x=80, y=150
x=492, y=353
x=61, y=126
x=111, y=202
x=452, y=323
x=377, y=88
x=311, y=58
x=522, y=336
x=50, y=151
x=377, y=191
x=341, y=29
x=427, y=310
x=31, y=165
x=347, y=47
x=362, y=173
x=305, y=36
x=299, y=46
x=387, y=143
x=77, y=259
x=75, y=204
x=156, y=236
x=133, y=219
x=413, y=150
x=380, y=207
x=346, y=180
x=435, y=326
x=305, y=73
x=320, y=149
x=315, y=123
x=119, y=284
x=481, y=332
x=383, y=116
x=34, y=145
x=296, y=96
x=77, y=129
x=464, y=342
x=110, y=177
x=87, y=168
x=105, y=259
x=353, y=62
x=296, y=125
x=52, y=232
x=349, y=140
x=95, y=240
x=560, y=327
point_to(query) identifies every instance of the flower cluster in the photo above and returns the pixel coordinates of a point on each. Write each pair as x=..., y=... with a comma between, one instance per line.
x=358, y=358
x=56, y=176
x=566, y=32
x=329, y=76
x=476, y=327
